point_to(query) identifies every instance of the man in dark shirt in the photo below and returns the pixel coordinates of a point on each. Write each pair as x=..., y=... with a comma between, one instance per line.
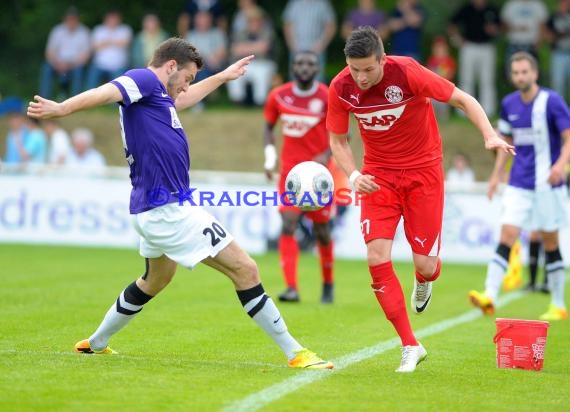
x=473, y=29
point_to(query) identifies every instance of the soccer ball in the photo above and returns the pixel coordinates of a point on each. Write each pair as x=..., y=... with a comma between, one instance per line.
x=309, y=186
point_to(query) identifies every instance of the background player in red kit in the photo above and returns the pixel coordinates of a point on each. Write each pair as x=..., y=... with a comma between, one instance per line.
x=402, y=171
x=301, y=105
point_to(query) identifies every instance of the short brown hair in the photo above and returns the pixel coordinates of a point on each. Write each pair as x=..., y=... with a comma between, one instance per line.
x=519, y=56
x=177, y=49
x=363, y=42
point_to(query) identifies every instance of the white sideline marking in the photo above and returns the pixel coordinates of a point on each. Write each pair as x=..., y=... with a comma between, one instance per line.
x=258, y=400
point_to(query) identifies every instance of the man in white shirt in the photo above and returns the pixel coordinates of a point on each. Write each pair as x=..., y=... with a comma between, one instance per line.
x=59, y=145
x=84, y=159
x=524, y=21
x=111, y=44
x=460, y=176
x=67, y=52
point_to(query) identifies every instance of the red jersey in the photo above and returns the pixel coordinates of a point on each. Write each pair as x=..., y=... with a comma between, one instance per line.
x=395, y=117
x=303, y=115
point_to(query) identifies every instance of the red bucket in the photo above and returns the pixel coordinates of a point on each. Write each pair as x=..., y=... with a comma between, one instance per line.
x=520, y=343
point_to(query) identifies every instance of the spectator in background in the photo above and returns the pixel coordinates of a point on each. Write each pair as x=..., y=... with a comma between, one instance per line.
x=473, y=29
x=366, y=14
x=111, y=44
x=460, y=175
x=67, y=53
x=256, y=39
x=36, y=142
x=25, y=142
x=214, y=7
x=16, y=137
x=309, y=25
x=83, y=158
x=10, y=104
x=524, y=22
x=59, y=146
x=183, y=24
x=405, y=23
x=558, y=33
x=442, y=63
x=211, y=42
x=239, y=22
x=147, y=40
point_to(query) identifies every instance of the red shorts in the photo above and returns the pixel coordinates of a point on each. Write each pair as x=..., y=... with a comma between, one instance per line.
x=414, y=194
x=323, y=215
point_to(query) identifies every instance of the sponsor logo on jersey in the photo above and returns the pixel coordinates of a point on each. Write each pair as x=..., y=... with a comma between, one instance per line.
x=380, y=120
x=175, y=121
x=525, y=136
x=393, y=94
x=296, y=125
x=316, y=105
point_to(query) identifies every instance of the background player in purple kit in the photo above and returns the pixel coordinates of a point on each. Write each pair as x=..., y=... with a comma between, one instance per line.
x=537, y=120
x=172, y=233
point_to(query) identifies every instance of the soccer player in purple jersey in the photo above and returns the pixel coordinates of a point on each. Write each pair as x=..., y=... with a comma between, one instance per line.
x=537, y=120
x=172, y=231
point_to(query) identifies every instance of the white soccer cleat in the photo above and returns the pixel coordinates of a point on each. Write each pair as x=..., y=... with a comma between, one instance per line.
x=421, y=296
x=411, y=357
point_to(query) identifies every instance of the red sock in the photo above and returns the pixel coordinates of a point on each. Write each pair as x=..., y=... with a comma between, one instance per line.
x=422, y=279
x=289, y=255
x=388, y=291
x=327, y=258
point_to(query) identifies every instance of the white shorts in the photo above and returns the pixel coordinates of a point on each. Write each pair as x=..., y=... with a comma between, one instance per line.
x=186, y=234
x=542, y=210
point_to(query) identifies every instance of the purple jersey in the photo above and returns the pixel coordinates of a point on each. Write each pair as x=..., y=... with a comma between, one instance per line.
x=156, y=147
x=535, y=128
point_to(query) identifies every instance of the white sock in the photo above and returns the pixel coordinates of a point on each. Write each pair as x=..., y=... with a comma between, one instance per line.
x=264, y=312
x=556, y=285
x=495, y=273
x=111, y=324
x=555, y=274
x=128, y=304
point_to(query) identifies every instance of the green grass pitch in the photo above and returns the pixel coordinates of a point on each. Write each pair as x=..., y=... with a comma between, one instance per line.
x=193, y=348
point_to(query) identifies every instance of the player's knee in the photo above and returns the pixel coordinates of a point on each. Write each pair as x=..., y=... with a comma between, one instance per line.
x=289, y=226
x=376, y=257
x=290, y=220
x=322, y=233
x=376, y=260
x=426, y=269
x=550, y=241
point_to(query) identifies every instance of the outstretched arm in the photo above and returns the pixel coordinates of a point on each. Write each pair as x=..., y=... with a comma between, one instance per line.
x=41, y=108
x=198, y=91
x=477, y=115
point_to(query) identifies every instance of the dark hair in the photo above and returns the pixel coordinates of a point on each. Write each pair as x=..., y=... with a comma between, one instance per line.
x=363, y=42
x=518, y=56
x=72, y=11
x=176, y=49
x=306, y=53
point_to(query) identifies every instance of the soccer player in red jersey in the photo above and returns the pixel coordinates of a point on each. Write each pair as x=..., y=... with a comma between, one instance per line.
x=402, y=173
x=301, y=106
